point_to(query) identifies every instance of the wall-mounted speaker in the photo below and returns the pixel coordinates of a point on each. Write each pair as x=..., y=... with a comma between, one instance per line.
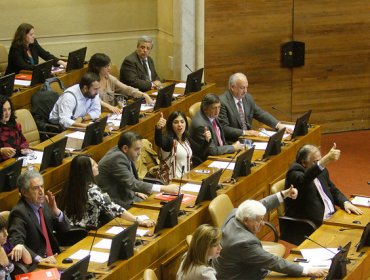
x=292, y=54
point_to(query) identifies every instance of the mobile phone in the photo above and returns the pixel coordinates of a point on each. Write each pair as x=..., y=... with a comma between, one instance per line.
x=301, y=260
x=202, y=171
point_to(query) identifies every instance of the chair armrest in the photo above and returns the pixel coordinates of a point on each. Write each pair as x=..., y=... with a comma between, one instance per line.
x=274, y=230
x=72, y=236
x=297, y=220
x=153, y=180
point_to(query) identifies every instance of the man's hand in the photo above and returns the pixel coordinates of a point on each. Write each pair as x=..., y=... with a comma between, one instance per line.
x=171, y=188
x=238, y=146
x=207, y=134
x=141, y=195
x=332, y=155
x=317, y=272
x=287, y=129
x=50, y=259
x=50, y=199
x=250, y=132
x=350, y=208
x=292, y=192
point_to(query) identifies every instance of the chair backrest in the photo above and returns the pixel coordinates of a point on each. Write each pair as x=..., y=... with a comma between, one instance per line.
x=147, y=159
x=219, y=208
x=114, y=71
x=5, y=214
x=29, y=127
x=149, y=274
x=3, y=60
x=275, y=188
x=194, y=109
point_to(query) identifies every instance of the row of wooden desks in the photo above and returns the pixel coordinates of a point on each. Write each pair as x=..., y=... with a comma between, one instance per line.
x=163, y=252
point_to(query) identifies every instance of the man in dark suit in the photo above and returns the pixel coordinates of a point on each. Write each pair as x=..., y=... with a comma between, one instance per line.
x=238, y=109
x=35, y=217
x=318, y=195
x=242, y=255
x=137, y=69
x=206, y=119
x=118, y=176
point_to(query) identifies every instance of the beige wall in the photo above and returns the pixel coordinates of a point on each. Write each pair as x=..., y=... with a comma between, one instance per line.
x=110, y=26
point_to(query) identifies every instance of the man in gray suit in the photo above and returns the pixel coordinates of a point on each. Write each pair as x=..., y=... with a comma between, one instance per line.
x=118, y=175
x=206, y=119
x=137, y=69
x=238, y=109
x=242, y=255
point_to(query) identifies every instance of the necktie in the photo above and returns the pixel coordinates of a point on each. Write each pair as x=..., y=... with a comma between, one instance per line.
x=241, y=115
x=218, y=133
x=49, y=252
x=133, y=169
x=147, y=69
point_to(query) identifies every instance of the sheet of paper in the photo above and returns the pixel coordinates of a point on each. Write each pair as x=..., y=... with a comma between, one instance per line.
x=291, y=126
x=180, y=85
x=146, y=107
x=98, y=257
x=174, y=94
x=141, y=232
x=260, y=145
x=361, y=201
x=114, y=117
x=189, y=187
x=103, y=244
x=269, y=133
x=322, y=264
x=319, y=254
x=115, y=230
x=222, y=164
x=23, y=83
x=77, y=134
x=143, y=217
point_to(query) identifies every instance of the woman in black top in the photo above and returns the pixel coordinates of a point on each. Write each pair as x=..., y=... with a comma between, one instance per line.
x=25, y=51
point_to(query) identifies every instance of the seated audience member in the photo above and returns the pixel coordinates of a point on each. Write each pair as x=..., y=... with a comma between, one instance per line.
x=83, y=201
x=238, y=109
x=137, y=69
x=9, y=253
x=204, y=247
x=118, y=175
x=25, y=51
x=78, y=103
x=242, y=255
x=318, y=195
x=100, y=64
x=175, y=146
x=12, y=141
x=35, y=217
x=206, y=119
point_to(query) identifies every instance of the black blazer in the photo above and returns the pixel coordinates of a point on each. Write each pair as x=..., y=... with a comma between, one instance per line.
x=25, y=229
x=230, y=120
x=309, y=204
x=196, y=132
x=133, y=73
x=19, y=60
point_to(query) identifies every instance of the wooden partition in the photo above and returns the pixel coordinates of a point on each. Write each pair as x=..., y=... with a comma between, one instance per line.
x=246, y=36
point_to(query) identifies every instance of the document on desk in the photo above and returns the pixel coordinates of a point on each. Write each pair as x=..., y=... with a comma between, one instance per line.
x=180, y=85
x=190, y=187
x=75, y=140
x=22, y=83
x=260, y=145
x=98, y=257
x=222, y=164
x=103, y=244
x=146, y=107
x=361, y=201
x=319, y=256
x=269, y=133
x=139, y=232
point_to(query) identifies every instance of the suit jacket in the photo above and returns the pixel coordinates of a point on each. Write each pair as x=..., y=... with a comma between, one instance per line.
x=133, y=73
x=116, y=178
x=242, y=255
x=309, y=204
x=18, y=58
x=230, y=119
x=196, y=131
x=24, y=228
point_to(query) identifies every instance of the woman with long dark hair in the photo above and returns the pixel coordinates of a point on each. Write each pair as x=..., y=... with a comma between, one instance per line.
x=12, y=141
x=83, y=201
x=100, y=64
x=175, y=144
x=25, y=51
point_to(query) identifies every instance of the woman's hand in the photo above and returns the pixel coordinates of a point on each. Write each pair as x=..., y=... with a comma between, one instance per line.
x=162, y=122
x=8, y=152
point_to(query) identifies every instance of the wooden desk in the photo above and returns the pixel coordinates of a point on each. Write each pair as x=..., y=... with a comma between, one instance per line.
x=343, y=219
x=22, y=99
x=330, y=236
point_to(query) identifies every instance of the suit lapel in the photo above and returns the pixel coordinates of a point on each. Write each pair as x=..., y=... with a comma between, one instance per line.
x=233, y=107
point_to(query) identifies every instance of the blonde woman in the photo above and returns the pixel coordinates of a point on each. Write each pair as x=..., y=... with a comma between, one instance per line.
x=197, y=262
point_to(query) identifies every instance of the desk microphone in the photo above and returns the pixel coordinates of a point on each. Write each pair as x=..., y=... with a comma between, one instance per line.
x=280, y=111
x=232, y=159
x=306, y=237
x=187, y=66
x=182, y=174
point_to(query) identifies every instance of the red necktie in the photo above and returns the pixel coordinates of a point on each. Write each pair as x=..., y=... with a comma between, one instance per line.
x=49, y=252
x=217, y=130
